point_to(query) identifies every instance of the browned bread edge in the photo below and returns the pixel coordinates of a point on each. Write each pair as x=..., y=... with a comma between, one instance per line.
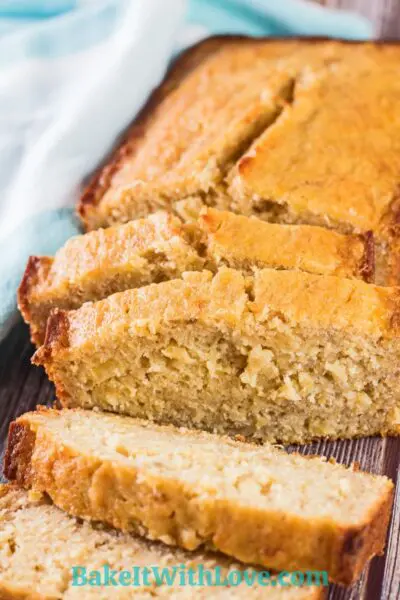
x=30, y=279
x=56, y=335
x=367, y=266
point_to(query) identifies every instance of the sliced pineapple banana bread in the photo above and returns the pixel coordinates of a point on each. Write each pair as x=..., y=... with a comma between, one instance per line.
x=298, y=131
x=161, y=247
x=281, y=356
x=193, y=489
x=40, y=545
x=93, y=266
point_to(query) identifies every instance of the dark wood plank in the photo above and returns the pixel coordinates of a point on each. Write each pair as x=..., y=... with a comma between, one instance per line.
x=22, y=386
x=384, y=14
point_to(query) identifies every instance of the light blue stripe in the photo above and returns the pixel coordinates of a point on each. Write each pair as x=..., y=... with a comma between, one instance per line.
x=61, y=36
x=219, y=17
x=272, y=17
x=35, y=9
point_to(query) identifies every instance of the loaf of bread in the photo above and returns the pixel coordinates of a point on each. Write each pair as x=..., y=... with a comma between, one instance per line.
x=161, y=247
x=40, y=545
x=282, y=356
x=293, y=131
x=193, y=489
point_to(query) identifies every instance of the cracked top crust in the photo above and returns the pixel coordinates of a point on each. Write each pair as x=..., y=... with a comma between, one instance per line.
x=309, y=128
x=335, y=152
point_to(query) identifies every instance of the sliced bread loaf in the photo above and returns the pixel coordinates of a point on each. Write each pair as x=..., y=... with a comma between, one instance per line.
x=292, y=131
x=193, y=489
x=281, y=356
x=40, y=545
x=93, y=266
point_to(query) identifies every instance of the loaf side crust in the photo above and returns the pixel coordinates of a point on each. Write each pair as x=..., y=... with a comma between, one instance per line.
x=95, y=265
x=238, y=240
x=35, y=274
x=353, y=305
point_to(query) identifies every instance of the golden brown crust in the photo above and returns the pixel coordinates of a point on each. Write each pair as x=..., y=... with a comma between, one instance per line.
x=361, y=544
x=196, y=296
x=240, y=241
x=188, y=60
x=328, y=302
x=250, y=120
x=83, y=485
x=322, y=301
x=17, y=458
x=93, y=266
x=29, y=279
x=356, y=187
x=57, y=329
x=352, y=186
x=390, y=232
x=367, y=264
x=10, y=592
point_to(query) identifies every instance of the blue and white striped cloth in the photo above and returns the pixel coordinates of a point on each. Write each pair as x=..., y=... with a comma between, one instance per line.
x=72, y=75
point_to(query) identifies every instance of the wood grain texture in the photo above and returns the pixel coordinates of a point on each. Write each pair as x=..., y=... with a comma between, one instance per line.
x=23, y=386
x=385, y=14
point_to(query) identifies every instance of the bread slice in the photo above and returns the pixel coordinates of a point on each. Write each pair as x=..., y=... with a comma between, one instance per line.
x=244, y=243
x=293, y=131
x=93, y=266
x=193, y=489
x=40, y=545
x=281, y=356
x=160, y=247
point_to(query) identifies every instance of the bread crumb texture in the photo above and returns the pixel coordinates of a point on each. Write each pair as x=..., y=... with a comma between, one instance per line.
x=281, y=356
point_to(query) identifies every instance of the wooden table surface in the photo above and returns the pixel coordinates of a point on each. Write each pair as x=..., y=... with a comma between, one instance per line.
x=22, y=386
